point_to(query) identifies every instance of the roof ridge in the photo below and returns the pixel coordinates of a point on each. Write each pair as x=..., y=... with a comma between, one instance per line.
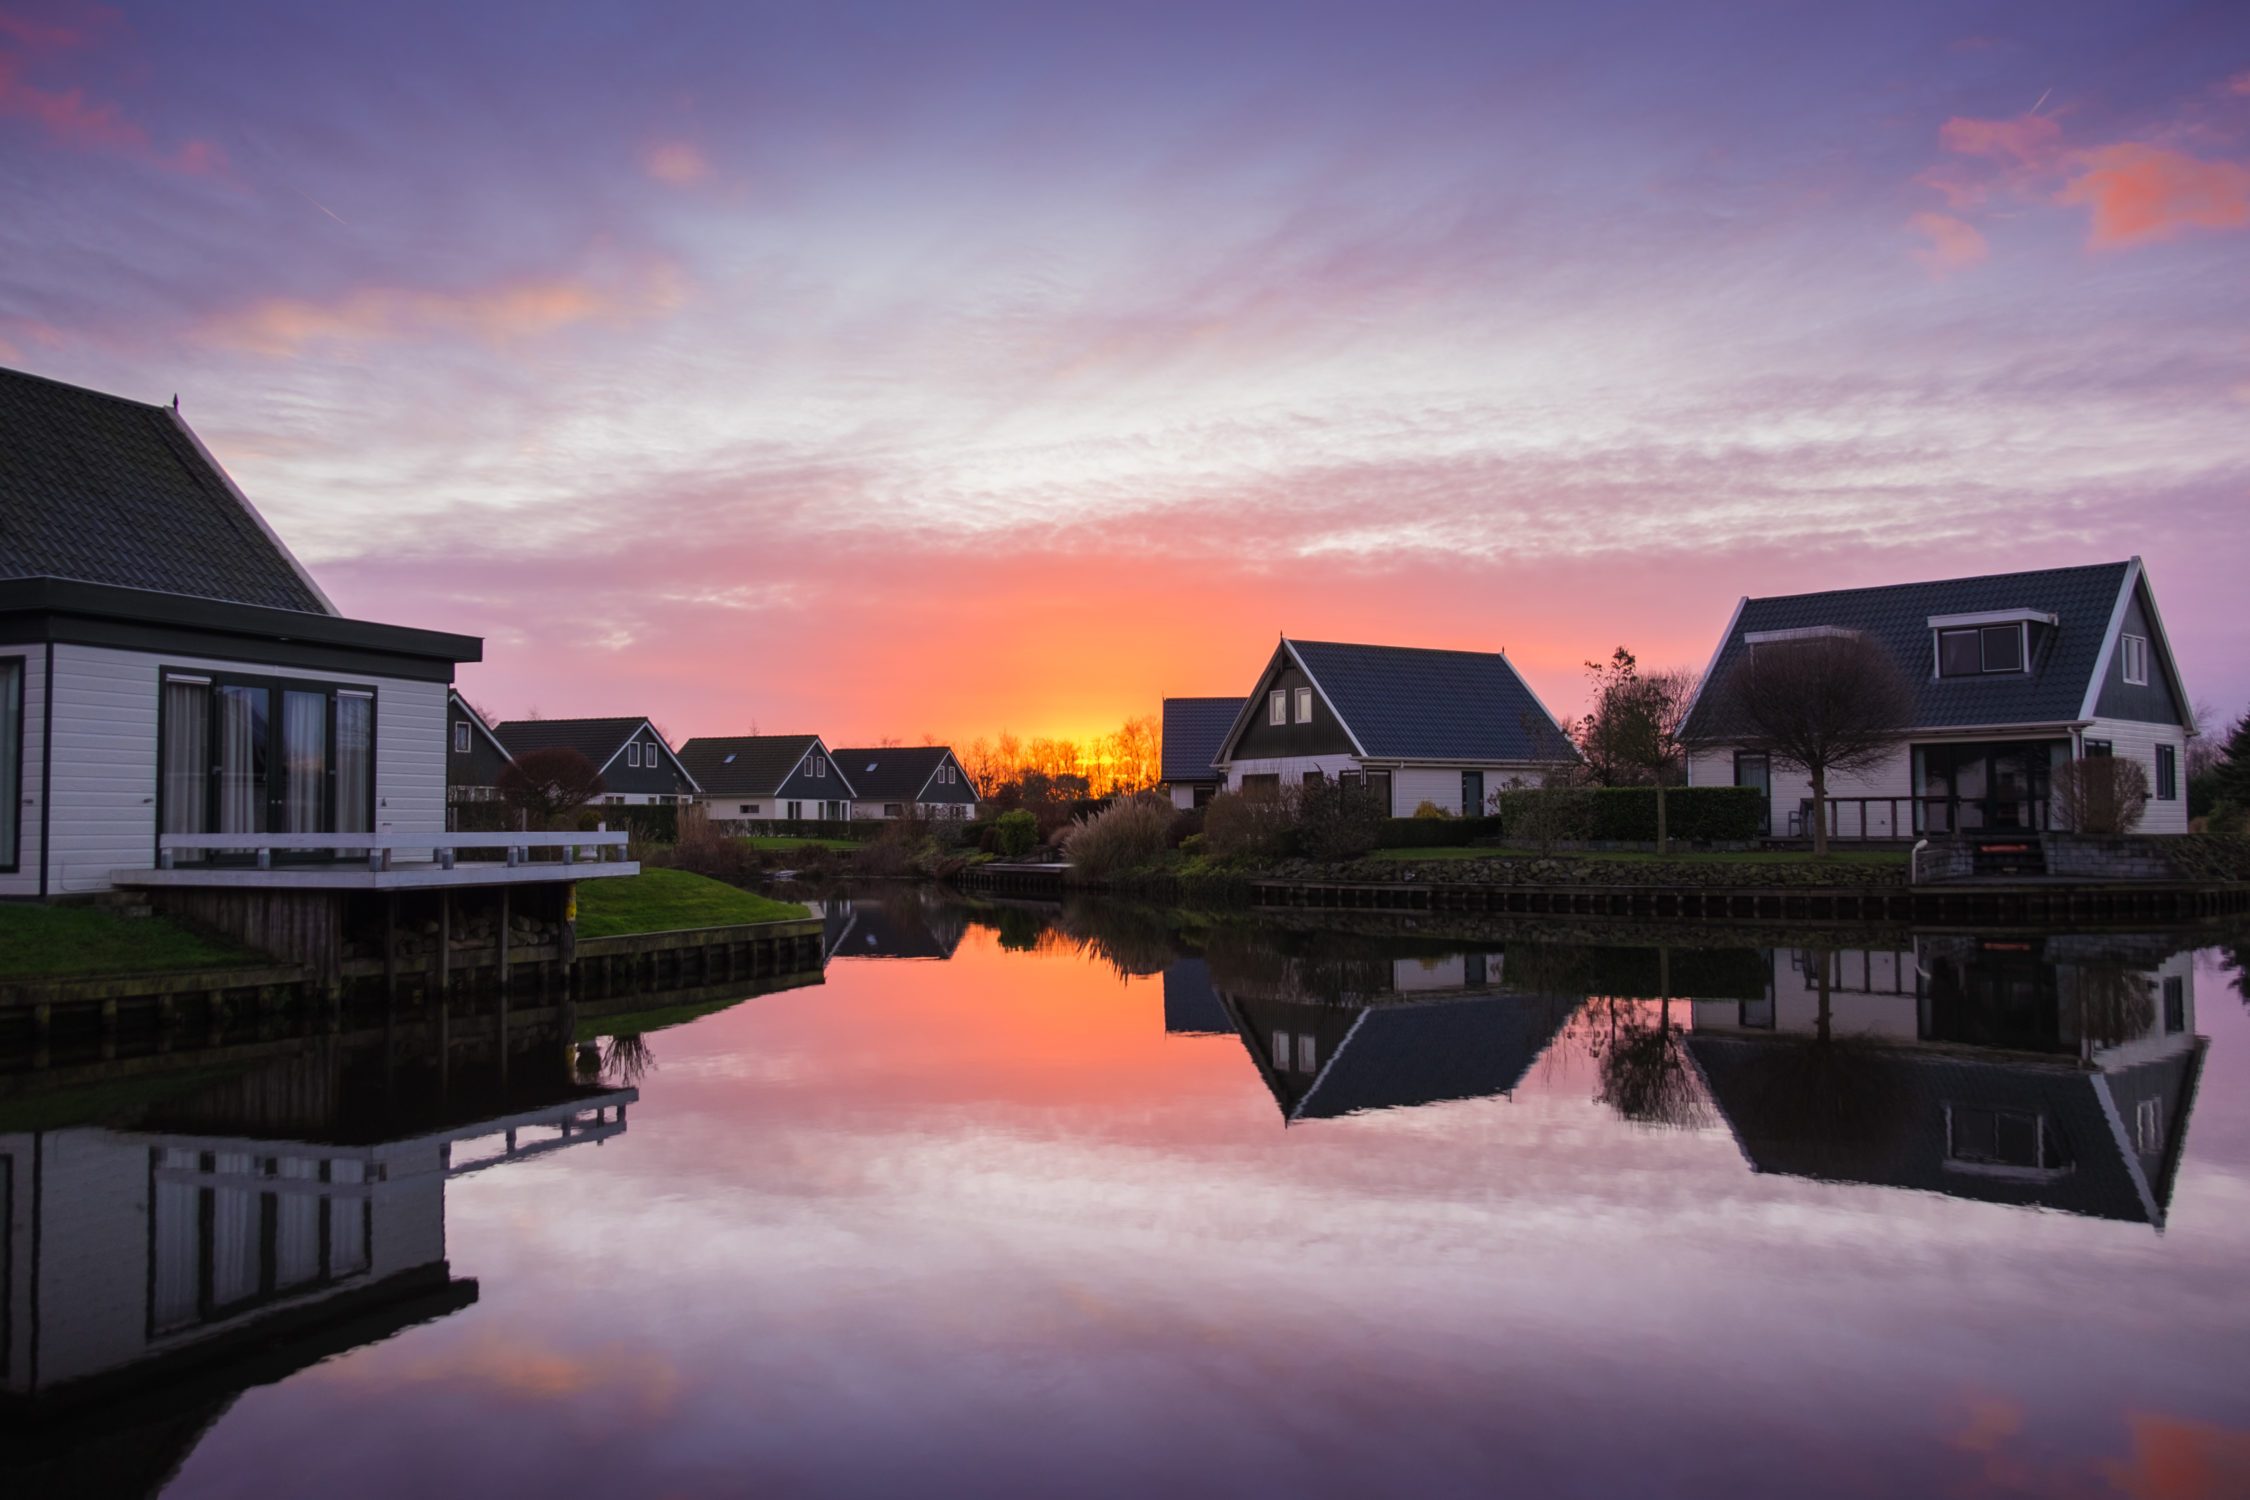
x=1925, y=583
x=84, y=390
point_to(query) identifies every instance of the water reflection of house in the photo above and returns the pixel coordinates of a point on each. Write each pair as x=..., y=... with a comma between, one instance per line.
x=231, y=1237
x=902, y=924
x=1405, y=1031
x=2056, y=1072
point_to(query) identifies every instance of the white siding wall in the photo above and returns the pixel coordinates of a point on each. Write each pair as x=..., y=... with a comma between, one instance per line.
x=104, y=809
x=2133, y=740
x=25, y=880
x=1411, y=786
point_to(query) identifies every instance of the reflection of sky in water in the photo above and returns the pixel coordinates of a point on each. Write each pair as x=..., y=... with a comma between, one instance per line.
x=984, y=1226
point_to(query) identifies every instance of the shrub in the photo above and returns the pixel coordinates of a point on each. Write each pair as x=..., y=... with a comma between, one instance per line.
x=2100, y=794
x=1120, y=837
x=1546, y=814
x=542, y=785
x=1192, y=844
x=1338, y=821
x=1238, y=823
x=1627, y=814
x=1429, y=809
x=1435, y=833
x=1016, y=832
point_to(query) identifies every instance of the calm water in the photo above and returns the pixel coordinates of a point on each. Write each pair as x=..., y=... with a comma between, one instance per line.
x=1129, y=1204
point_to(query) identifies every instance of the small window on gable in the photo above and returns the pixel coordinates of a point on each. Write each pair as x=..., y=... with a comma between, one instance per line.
x=633, y=753
x=2136, y=659
x=1281, y=1052
x=1277, y=707
x=1304, y=705
x=461, y=737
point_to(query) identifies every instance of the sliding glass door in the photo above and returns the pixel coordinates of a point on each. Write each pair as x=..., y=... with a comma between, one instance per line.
x=259, y=755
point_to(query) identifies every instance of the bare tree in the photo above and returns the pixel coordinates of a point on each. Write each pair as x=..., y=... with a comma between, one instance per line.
x=2101, y=794
x=545, y=784
x=1632, y=735
x=2207, y=744
x=1827, y=703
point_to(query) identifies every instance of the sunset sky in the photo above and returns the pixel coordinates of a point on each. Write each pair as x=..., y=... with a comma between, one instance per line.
x=898, y=369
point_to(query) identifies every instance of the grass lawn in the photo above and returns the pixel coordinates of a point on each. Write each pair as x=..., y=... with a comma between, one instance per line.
x=783, y=842
x=47, y=940
x=1745, y=857
x=669, y=900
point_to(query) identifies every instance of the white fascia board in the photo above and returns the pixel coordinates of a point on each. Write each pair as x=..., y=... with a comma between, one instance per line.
x=304, y=576
x=1242, y=720
x=2109, y=640
x=1716, y=652
x=1995, y=617
x=1291, y=647
x=2164, y=648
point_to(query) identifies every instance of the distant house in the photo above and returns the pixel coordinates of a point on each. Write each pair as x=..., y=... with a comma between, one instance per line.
x=2013, y=674
x=639, y=768
x=1445, y=727
x=1194, y=731
x=763, y=777
x=888, y=781
x=169, y=670
x=474, y=755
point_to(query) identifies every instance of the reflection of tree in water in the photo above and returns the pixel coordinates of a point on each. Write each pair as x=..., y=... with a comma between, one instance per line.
x=2115, y=1004
x=1643, y=1065
x=627, y=1059
x=1828, y=1108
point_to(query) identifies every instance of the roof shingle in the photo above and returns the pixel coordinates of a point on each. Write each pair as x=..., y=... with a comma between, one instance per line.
x=745, y=765
x=1411, y=703
x=1195, y=731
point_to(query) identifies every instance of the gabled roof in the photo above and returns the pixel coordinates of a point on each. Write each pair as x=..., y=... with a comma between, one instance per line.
x=104, y=490
x=751, y=765
x=599, y=740
x=893, y=772
x=1195, y=731
x=458, y=706
x=2086, y=602
x=1413, y=703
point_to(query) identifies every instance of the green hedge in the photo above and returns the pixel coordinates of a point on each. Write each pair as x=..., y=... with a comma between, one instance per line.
x=1627, y=814
x=1436, y=833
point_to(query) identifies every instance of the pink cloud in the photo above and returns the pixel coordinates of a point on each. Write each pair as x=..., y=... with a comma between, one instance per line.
x=2031, y=140
x=285, y=326
x=67, y=116
x=1954, y=243
x=2141, y=193
x=677, y=163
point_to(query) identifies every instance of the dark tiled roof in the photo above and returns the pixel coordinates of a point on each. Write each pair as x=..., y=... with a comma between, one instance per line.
x=1195, y=730
x=893, y=929
x=1399, y=1056
x=106, y=490
x=746, y=765
x=1898, y=616
x=1408, y=703
x=596, y=739
x=1191, y=1006
x=890, y=772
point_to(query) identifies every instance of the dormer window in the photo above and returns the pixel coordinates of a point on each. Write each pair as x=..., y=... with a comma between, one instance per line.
x=1997, y=641
x=2135, y=652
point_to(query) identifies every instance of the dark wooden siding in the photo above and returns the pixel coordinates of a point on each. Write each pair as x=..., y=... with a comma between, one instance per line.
x=1325, y=735
x=2155, y=703
x=481, y=766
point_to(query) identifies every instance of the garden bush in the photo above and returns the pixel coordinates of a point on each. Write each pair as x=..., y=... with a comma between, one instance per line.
x=1627, y=814
x=2101, y=794
x=1015, y=832
x=1119, y=837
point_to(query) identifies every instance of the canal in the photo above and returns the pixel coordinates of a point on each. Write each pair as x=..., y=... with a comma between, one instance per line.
x=1028, y=1200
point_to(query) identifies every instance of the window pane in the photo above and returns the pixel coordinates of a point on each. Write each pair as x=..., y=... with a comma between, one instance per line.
x=11, y=758
x=355, y=764
x=2003, y=648
x=186, y=757
x=1281, y=1052
x=1277, y=707
x=1959, y=654
x=1307, y=1054
x=242, y=759
x=304, y=762
x=1304, y=705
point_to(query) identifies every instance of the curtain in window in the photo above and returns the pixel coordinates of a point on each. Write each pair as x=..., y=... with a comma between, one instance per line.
x=242, y=759
x=186, y=756
x=355, y=763
x=304, y=761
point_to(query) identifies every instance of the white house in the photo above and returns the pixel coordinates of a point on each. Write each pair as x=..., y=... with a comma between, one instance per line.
x=167, y=667
x=765, y=777
x=887, y=780
x=637, y=766
x=2013, y=675
x=1445, y=727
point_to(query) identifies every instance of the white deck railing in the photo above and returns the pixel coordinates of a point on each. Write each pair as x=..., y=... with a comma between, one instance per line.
x=381, y=849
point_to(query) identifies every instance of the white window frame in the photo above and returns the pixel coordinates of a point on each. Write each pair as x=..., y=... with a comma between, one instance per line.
x=633, y=754
x=2133, y=651
x=461, y=741
x=1277, y=706
x=1304, y=705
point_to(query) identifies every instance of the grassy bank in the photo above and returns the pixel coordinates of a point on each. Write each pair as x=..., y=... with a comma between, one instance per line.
x=1732, y=857
x=670, y=900
x=46, y=941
